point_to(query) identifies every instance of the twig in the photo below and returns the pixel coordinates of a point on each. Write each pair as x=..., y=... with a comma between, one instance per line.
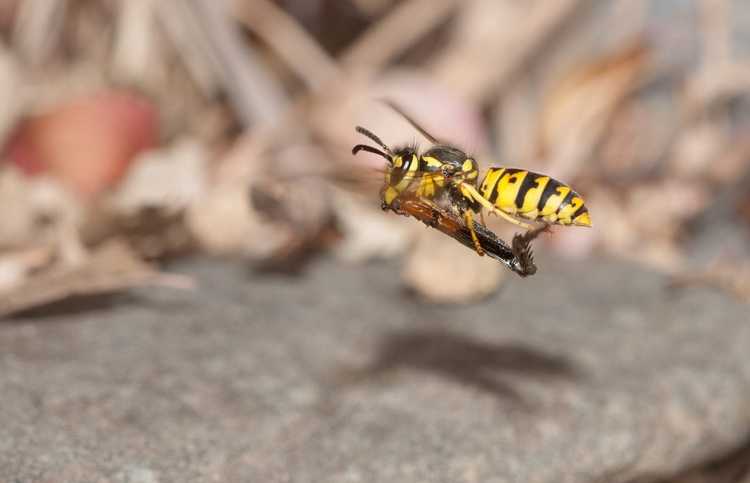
x=254, y=93
x=407, y=23
x=544, y=21
x=299, y=50
x=38, y=28
x=715, y=30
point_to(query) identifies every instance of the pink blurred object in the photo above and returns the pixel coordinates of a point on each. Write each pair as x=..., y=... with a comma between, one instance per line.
x=88, y=143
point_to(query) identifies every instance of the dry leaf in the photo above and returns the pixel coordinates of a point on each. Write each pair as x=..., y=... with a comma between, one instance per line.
x=111, y=268
x=170, y=178
x=154, y=233
x=225, y=223
x=34, y=210
x=302, y=207
x=138, y=51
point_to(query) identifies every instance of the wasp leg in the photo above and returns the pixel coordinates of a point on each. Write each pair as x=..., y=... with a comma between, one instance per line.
x=476, y=196
x=469, y=219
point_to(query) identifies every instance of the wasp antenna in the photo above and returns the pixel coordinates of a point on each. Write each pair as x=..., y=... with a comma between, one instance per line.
x=370, y=149
x=374, y=139
x=411, y=121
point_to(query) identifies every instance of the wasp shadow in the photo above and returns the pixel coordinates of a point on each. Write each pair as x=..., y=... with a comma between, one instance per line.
x=464, y=360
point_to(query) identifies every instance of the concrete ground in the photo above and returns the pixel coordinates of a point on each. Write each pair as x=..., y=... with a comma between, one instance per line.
x=584, y=372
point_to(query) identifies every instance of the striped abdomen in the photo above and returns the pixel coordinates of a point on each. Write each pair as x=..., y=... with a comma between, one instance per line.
x=534, y=196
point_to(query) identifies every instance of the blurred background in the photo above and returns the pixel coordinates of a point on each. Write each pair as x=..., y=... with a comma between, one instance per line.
x=138, y=132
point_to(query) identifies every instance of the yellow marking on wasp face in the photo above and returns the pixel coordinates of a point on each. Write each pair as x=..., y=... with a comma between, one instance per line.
x=533, y=196
x=490, y=181
x=389, y=195
x=567, y=212
x=582, y=220
x=507, y=190
x=432, y=162
x=468, y=165
x=553, y=202
x=398, y=161
x=409, y=176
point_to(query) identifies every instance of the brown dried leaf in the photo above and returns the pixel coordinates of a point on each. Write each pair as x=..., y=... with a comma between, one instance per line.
x=184, y=164
x=225, y=223
x=308, y=219
x=111, y=268
x=152, y=232
x=34, y=210
x=138, y=52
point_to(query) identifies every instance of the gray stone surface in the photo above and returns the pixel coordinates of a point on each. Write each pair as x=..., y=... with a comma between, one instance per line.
x=584, y=372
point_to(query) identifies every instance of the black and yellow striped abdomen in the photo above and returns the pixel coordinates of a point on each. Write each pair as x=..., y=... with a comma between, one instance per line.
x=534, y=196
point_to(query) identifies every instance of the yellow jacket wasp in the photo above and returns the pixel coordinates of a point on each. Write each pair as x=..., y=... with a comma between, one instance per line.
x=445, y=172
